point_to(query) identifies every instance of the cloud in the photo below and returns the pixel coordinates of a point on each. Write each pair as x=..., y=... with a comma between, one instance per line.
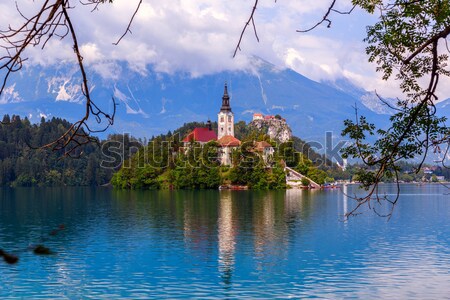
x=43, y=115
x=10, y=95
x=198, y=37
x=164, y=101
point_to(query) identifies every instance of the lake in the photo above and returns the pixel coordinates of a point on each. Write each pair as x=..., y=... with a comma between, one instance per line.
x=112, y=244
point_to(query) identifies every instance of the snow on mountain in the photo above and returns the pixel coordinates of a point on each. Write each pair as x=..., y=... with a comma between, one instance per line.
x=369, y=99
x=10, y=95
x=150, y=103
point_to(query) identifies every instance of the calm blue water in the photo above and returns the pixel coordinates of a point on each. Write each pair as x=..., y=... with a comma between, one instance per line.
x=211, y=244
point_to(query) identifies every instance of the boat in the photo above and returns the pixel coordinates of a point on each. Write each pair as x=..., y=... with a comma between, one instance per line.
x=233, y=187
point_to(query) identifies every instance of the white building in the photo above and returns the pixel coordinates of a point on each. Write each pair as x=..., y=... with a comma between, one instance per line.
x=225, y=117
x=258, y=116
x=225, y=134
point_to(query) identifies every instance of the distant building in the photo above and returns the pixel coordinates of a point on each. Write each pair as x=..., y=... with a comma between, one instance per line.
x=225, y=135
x=225, y=116
x=227, y=143
x=258, y=116
x=201, y=135
x=427, y=170
x=265, y=150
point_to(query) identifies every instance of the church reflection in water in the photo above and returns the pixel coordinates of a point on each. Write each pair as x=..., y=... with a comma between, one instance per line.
x=226, y=237
x=260, y=224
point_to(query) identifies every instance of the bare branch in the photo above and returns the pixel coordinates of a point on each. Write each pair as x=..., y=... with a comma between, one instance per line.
x=129, y=24
x=53, y=19
x=250, y=19
x=324, y=19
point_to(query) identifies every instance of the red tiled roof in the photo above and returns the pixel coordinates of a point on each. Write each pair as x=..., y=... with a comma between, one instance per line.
x=260, y=146
x=229, y=141
x=201, y=134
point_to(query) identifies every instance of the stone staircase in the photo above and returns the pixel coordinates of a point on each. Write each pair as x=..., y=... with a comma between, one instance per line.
x=294, y=179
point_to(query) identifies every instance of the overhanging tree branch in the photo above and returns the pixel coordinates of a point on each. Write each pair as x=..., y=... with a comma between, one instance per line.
x=51, y=20
x=128, y=30
x=252, y=21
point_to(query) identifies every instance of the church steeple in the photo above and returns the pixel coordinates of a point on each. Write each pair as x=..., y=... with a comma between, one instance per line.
x=225, y=100
x=225, y=117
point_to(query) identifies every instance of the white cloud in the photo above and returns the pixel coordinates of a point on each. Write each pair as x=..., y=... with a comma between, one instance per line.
x=91, y=53
x=248, y=111
x=163, y=105
x=199, y=36
x=107, y=69
x=45, y=116
x=10, y=95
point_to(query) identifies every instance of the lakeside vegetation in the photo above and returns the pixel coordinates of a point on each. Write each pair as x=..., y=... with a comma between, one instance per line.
x=165, y=164
x=21, y=165
x=160, y=164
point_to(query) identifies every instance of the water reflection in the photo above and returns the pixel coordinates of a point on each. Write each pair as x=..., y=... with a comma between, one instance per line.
x=211, y=244
x=263, y=224
x=293, y=203
x=345, y=199
x=226, y=237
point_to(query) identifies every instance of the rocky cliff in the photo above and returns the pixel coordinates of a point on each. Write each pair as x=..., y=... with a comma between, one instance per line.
x=277, y=129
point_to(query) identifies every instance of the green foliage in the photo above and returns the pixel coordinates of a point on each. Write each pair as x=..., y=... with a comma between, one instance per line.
x=164, y=163
x=305, y=181
x=158, y=166
x=407, y=43
x=434, y=178
x=250, y=169
x=317, y=175
x=288, y=153
x=303, y=165
x=241, y=130
x=22, y=166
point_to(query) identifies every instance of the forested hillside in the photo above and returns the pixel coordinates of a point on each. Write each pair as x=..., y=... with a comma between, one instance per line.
x=21, y=165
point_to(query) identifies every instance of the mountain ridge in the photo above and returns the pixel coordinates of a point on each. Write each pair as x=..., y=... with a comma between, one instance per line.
x=151, y=103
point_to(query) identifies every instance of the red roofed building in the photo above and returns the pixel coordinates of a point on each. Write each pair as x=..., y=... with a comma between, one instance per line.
x=227, y=143
x=258, y=116
x=225, y=122
x=265, y=149
x=201, y=135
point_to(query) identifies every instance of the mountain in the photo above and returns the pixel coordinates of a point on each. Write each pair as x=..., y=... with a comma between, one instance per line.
x=369, y=99
x=150, y=103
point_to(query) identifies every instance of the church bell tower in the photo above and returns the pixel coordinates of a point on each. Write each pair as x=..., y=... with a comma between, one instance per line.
x=225, y=116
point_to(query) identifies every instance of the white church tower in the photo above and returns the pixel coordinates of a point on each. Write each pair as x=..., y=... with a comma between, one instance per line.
x=225, y=117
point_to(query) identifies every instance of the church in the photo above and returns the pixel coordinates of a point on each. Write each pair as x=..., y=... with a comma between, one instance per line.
x=225, y=133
